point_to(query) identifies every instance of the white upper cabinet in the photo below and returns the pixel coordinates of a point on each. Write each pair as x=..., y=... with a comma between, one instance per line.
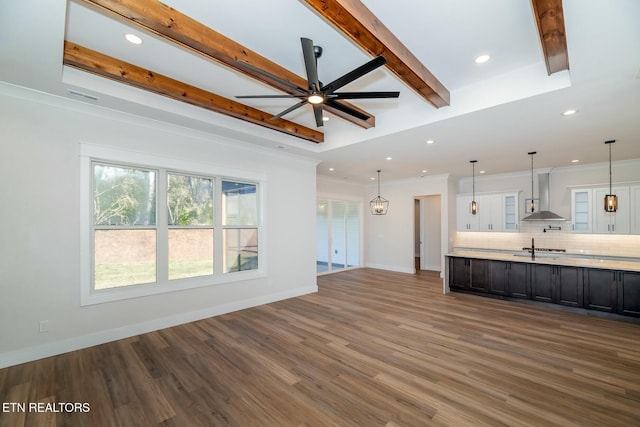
x=490, y=211
x=465, y=219
x=581, y=210
x=618, y=222
x=496, y=212
x=510, y=203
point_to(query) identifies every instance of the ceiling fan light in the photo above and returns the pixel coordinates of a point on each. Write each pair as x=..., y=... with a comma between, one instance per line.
x=315, y=99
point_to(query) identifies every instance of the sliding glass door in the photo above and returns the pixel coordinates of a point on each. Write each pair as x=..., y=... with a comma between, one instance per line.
x=337, y=235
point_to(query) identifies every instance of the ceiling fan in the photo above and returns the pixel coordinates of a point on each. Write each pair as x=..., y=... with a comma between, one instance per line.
x=318, y=94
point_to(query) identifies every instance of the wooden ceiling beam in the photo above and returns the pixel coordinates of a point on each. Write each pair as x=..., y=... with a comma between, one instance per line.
x=361, y=25
x=550, y=21
x=97, y=63
x=176, y=27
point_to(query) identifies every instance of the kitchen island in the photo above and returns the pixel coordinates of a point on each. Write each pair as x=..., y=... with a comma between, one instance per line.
x=603, y=285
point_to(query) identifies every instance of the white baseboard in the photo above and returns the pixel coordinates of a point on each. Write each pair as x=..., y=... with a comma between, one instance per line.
x=76, y=343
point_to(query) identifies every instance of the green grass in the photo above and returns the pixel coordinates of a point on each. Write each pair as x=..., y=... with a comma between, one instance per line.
x=126, y=274
x=190, y=268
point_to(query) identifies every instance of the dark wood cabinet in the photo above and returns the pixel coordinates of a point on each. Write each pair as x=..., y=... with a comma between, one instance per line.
x=628, y=284
x=499, y=283
x=519, y=280
x=459, y=273
x=600, y=290
x=557, y=284
x=542, y=278
x=509, y=279
x=479, y=272
x=469, y=273
x=568, y=286
x=581, y=287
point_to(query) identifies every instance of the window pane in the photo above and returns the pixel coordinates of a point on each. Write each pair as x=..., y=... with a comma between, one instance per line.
x=239, y=203
x=123, y=196
x=190, y=252
x=124, y=257
x=322, y=236
x=189, y=200
x=240, y=249
x=353, y=234
x=338, y=241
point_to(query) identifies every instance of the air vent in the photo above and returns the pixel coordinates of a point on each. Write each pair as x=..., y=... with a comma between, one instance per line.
x=81, y=95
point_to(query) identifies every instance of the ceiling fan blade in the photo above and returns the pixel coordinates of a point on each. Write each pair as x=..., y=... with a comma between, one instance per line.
x=242, y=64
x=310, y=64
x=271, y=96
x=364, y=95
x=354, y=74
x=345, y=109
x=317, y=112
x=288, y=110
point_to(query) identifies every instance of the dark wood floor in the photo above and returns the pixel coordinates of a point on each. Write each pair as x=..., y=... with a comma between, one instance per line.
x=371, y=348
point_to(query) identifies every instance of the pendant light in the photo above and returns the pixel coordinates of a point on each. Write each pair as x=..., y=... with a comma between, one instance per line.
x=474, y=204
x=610, y=200
x=379, y=205
x=532, y=202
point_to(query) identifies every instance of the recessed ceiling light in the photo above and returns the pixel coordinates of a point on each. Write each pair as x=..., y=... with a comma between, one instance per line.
x=325, y=118
x=481, y=171
x=132, y=38
x=569, y=112
x=424, y=171
x=482, y=59
x=372, y=178
x=575, y=161
x=389, y=158
x=430, y=141
x=331, y=169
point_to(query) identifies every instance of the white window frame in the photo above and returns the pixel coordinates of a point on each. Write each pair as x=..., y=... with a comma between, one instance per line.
x=90, y=153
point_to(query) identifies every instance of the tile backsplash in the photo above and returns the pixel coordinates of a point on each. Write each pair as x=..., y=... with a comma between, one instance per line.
x=622, y=245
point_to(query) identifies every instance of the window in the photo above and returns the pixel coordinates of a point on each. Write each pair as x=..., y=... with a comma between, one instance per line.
x=240, y=220
x=190, y=220
x=124, y=218
x=152, y=229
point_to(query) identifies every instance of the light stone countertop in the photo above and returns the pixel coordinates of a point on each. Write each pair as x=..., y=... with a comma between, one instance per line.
x=549, y=259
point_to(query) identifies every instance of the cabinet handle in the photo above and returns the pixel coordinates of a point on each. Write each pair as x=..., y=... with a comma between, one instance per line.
x=613, y=227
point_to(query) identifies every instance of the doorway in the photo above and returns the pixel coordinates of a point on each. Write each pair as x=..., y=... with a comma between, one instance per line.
x=427, y=233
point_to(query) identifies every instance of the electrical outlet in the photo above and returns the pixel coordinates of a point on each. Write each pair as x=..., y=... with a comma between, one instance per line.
x=44, y=326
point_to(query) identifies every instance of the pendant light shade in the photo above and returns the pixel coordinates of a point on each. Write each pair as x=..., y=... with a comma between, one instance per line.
x=379, y=205
x=532, y=201
x=474, y=204
x=610, y=200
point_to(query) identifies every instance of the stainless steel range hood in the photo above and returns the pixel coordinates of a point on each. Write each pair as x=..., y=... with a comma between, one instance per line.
x=544, y=214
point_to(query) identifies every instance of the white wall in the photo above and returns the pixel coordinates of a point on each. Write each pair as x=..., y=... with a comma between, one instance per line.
x=390, y=238
x=39, y=225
